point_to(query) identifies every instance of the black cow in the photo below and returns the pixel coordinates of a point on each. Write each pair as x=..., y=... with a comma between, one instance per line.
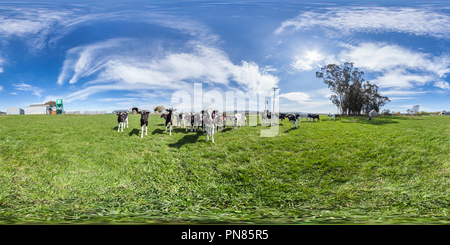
x=314, y=116
x=144, y=121
x=169, y=120
x=122, y=117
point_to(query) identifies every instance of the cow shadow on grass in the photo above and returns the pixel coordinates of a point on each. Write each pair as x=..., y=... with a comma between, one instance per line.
x=187, y=139
x=289, y=130
x=226, y=130
x=158, y=131
x=134, y=131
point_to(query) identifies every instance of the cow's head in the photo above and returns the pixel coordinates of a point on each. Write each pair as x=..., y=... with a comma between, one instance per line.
x=171, y=110
x=144, y=114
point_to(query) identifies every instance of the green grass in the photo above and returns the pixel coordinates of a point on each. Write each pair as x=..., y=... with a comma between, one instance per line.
x=76, y=169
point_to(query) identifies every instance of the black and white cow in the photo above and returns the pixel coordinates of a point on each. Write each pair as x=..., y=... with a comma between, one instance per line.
x=238, y=120
x=313, y=116
x=293, y=118
x=144, y=121
x=333, y=116
x=224, y=116
x=298, y=117
x=209, y=116
x=189, y=117
x=264, y=118
x=122, y=118
x=202, y=123
x=218, y=120
x=198, y=120
x=180, y=120
x=243, y=119
x=282, y=116
x=169, y=120
x=301, y=116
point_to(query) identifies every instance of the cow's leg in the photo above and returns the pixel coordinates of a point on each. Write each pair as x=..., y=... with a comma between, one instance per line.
x=118, y=129
x=146, y=129
x=170, y=130
x=212, y=135
x=142, y=131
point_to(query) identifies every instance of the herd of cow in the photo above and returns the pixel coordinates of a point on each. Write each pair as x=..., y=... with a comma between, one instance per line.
x=210, y=119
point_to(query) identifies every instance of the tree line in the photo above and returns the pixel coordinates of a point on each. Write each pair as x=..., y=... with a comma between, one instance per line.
x=352, y=94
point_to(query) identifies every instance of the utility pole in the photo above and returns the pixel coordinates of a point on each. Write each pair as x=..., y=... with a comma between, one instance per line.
x=265, y=104
x=273, y=111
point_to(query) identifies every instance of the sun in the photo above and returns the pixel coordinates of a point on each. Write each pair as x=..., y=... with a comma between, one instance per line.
x=313, y=56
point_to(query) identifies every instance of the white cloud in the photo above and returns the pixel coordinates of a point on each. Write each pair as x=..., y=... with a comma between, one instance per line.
x=1, y=88
x=313, y=100
x=27, y=87
x=115, y=66
x=366, y=19
x=296, y=96
x=401, y=79
x=442, y=85
x=399, y=67
x=14, y=93
x=383, y=57
x=402, y=92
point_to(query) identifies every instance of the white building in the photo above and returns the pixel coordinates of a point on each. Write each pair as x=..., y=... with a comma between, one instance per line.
x=14, y=111
x=444, y=112
x=38, y=109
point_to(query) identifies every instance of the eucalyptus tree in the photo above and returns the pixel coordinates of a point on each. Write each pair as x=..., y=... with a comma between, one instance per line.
x=352, y=94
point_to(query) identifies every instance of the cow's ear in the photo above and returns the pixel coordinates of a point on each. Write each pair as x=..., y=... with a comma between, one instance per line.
x=167, y=109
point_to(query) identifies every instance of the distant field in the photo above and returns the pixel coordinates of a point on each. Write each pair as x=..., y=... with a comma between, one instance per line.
x=61, y=168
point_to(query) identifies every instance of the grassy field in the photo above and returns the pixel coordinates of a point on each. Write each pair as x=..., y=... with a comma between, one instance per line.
x=77, y=169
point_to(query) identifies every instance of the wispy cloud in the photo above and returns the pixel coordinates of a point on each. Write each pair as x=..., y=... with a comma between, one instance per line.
x=122, y=64
x=442, y=85
x=393, y=65
x=381, y=56
x=296, y=96
x=366, y=19
x=26, y=87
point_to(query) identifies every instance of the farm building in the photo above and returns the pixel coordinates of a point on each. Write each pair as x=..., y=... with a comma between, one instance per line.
x=14, y=111
x=444, y=112
x=38, y=109
x=134, y=110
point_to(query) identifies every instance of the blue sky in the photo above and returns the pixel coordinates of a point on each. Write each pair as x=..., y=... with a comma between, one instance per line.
x=114, y=55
